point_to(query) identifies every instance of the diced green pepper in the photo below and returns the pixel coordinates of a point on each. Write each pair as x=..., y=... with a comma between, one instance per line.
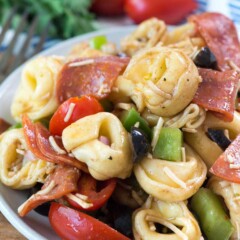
x=17, y=125
x=97, y=42
x=211, y=215
x=169, y=145
x=131, y=117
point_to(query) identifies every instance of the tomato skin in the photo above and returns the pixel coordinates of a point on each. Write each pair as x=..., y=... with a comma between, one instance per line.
x=170, y=11
x=87, y=186
x=70, y=224
x=108, y=8
x=84, y=106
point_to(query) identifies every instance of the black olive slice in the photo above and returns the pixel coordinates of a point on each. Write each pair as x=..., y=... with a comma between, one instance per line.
x=140, y=143
x=218, y=137
x=205, y=58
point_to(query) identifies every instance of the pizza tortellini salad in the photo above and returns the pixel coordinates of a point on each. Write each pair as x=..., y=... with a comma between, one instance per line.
x=140, y=141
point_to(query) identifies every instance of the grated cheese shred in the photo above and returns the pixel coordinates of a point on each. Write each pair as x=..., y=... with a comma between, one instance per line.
x=174, y=178
x=156, y=132
x=81, y=63
x=69, y=112
x=79, y=201
x=55, y=147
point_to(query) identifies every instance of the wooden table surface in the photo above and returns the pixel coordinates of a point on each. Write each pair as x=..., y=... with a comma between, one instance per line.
x=7, y=231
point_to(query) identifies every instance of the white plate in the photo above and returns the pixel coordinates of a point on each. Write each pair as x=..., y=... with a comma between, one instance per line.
x=35, y=226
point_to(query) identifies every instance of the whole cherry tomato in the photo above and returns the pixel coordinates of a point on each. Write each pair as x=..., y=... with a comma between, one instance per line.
x=170, y=11
x=81, y=107
x=71, y=224
x=97, y=192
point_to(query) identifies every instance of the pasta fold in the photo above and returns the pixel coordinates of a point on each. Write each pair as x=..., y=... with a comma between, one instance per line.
x=171, y=181
x=19, y=168
x=174, y=216
x=36, y=94
x=83, y=140
x=231, y=195
x=161, y=79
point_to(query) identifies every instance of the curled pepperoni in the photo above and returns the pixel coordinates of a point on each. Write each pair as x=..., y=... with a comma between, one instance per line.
x=3, y=125
x=89, y=76
x=62, y=181
x=221, y=37
x=37, y=138
x=217, y=92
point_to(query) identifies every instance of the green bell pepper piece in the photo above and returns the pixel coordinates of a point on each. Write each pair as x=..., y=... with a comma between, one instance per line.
x=211, y=215
x=97, y=42
x=169, y=145
x=17, y=125
x=131, y=117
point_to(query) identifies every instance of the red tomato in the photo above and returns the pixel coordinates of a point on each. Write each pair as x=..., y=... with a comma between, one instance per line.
x=108, y=8
x=70, y=224
x=84, y=106
x=171, y=11
x=98, y=192
x=228, y=164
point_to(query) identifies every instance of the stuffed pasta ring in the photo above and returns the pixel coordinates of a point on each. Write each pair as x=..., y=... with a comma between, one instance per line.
x=108, y=158
x=171, y=181
x=36, y=94
x=19, y=168
x=170, y=215
x=165, y=80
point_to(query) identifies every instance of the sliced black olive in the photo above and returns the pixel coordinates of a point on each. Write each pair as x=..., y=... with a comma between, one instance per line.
x=140, y=143
x=205, y=58
x=44, y=208
x=218, y=137
x=238, y=94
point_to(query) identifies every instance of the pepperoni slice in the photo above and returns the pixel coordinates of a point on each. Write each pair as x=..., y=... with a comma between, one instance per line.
x=3, y=125
x=217, y=92
x=60, y=183
x=221, y=37
x=37, y=138
x=89, y=76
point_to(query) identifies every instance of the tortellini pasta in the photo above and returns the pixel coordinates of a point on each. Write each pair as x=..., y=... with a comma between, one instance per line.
x=148, y=34
x=231, y=195
x=104, y=160
x=171, y=181
x=36, y=94
x=201, y=143
x=174, y=216
x=161, y=79
x=19, y=168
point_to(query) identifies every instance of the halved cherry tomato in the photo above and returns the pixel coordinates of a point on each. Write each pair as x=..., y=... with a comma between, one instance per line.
x=70, y=224
x=170, y=11
x=83, y=106
x=97, y=192
x=227, y=166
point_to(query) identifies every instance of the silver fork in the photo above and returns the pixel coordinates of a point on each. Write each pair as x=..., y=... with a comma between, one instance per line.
x=10, y=59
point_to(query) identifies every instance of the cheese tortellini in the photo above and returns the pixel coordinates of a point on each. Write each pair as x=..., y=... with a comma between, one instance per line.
x=171, y=181
x=148, y=34
x=161, y=79
x=36, y=94
x=231, y=194
x=170, y=215
x=19, y=168
x=104, y=160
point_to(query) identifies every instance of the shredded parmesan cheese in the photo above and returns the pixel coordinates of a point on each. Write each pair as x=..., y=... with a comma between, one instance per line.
x=149, y=155
x=20, y=151
x=156, y=132
x=137, y=198
x=81, y=63
x=190, y=130
x=124, y=106
x=158, y=91
x=79, y=201
x=148, y=203
x=234, y=166
x=174, y=178
x=69, y=112
x=152, y=226
x=183, y=154
x=137, y=124
x=169, y=225
x=233, y=66
x=54, y=145
x=70, y=155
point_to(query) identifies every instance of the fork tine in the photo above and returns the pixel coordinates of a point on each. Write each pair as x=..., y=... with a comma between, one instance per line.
x=7, y=24
x=21, y=55
x=9, y=52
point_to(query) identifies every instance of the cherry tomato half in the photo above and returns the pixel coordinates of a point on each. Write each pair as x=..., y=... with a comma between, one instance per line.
x=97, y=192
x=83, y=106
x=170, y=11
x=71, y=224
